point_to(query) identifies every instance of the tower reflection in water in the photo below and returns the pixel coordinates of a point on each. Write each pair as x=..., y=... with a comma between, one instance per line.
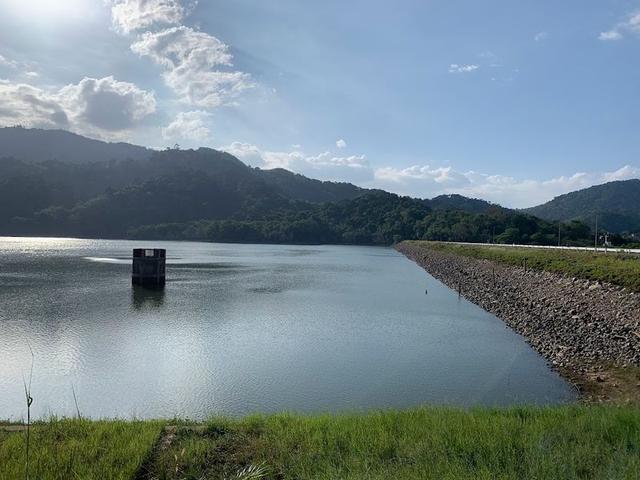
x=146, y=298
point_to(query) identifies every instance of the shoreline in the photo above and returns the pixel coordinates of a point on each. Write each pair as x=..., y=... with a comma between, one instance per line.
x=586, y=330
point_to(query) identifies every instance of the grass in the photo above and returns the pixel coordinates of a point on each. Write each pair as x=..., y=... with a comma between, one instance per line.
x=78, y=449
x=567, y=442
x=574, y=442
x=615, y=268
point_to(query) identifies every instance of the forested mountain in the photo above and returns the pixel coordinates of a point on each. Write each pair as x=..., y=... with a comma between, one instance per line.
x=465, y=204
x=299, y=187
x=38, y=145
x=617, y=205
x=130, y=192
x=376, y=218
x=69, y=168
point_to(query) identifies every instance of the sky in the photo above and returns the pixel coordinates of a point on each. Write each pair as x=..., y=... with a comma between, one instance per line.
x=511, y=101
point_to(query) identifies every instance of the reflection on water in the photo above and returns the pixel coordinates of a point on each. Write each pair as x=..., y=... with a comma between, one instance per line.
x=245, y=328
x=147, y=297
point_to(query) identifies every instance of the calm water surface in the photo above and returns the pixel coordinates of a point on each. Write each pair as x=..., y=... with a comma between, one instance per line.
x=246, y=328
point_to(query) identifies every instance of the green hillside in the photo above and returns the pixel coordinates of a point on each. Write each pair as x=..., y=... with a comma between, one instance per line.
x=617, y=205
x=119, y=191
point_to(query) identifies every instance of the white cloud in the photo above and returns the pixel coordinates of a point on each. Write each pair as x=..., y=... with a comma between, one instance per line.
x=323, y=166
x=30, y=106
x=5, y=62
x=624, y=173
x=18, y=68
x=131, y=15
x=107, y=103
x=248, y=153
x=629, y=25
x=197, y=65
x=426, y=182
x=456, y=68
x=298, y=161
x=541, y=36
x=189, y=126
x=340, y=143
x=106, y=108
x=610, y=35
x=445, y=176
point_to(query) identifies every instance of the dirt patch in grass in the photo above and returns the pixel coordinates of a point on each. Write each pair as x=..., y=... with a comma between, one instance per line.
x=616, y=385
x=217, y=450
x=574, y=442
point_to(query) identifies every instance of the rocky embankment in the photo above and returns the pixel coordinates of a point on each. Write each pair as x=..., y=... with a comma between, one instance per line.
x=579, y=326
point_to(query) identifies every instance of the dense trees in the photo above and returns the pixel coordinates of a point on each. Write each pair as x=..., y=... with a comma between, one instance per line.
x=209, y=195
x=615, y=203
x=205, y=195
x=374, y=219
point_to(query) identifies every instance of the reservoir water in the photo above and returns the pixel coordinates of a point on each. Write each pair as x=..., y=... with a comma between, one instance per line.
x=247, y=328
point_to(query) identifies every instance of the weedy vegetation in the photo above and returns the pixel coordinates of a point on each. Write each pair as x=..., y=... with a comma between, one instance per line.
x=65, y=449
x=616, y=268
x=566, y=442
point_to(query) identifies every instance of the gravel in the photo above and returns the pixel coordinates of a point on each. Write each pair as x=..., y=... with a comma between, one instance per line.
x=575, y=324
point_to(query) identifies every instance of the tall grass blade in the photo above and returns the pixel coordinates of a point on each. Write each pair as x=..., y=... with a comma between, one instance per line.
x=29, y=400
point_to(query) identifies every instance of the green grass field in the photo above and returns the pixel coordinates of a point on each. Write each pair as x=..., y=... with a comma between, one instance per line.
x=571, y=442
x=618, y=269
x=78, y=449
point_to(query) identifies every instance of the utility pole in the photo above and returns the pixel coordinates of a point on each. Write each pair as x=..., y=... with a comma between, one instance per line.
x=595, y=244
x=559, y=233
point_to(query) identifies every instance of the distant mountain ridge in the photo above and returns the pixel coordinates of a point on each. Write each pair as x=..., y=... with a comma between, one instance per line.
x=617, y=205
x=37, y=145
x=56, y=183
x=43, y=155
x=57, y=150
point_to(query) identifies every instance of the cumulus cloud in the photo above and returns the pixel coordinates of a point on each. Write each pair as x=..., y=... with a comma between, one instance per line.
x=298, y=160
x=197, y=65
x=610, y=35
x=105, y=107
x=631, y=25
x=188, y=125
x=131, y=15
x=107, y=103
x=424, y=181
x=457, y=68
x=444, y=176
x=427, y=182
x=30, y=106
x=340, y=143
x=541, y=36
x=248, y=153
x=324, y=166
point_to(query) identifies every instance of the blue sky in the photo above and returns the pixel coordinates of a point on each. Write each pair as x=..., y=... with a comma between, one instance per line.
x=514, y=102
